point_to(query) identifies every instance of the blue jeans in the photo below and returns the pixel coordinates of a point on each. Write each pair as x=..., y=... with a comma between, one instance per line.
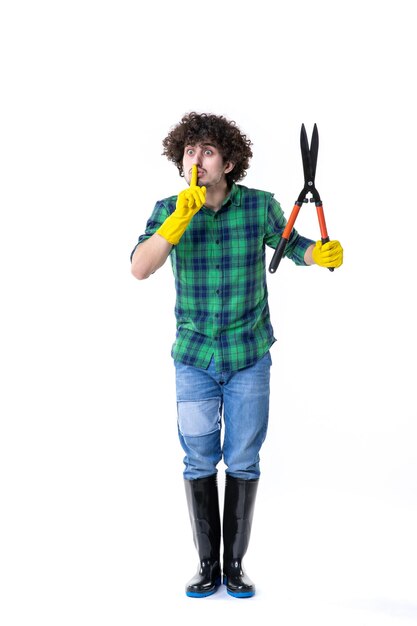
x=242, y=399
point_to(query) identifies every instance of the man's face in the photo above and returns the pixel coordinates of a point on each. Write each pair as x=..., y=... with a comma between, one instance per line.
x=211, y=170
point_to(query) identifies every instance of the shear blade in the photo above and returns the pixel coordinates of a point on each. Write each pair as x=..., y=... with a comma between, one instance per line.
x=314, y=149
x=305, y=153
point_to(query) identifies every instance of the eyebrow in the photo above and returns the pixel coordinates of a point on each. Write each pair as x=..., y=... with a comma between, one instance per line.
x=207, y=145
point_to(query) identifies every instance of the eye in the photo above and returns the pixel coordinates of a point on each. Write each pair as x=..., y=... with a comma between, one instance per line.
x=208, y=152
x=189, y=151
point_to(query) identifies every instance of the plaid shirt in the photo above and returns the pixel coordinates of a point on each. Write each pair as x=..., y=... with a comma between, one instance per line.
x=220, y=278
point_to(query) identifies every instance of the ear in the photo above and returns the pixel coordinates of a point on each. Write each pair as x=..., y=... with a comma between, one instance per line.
x=229, y=167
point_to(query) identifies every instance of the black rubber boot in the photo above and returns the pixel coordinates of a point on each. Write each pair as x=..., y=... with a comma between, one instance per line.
x=203, y=507
x=239, y=505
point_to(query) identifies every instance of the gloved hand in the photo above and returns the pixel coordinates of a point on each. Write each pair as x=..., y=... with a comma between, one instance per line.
x=189, y=202
x=328, y=254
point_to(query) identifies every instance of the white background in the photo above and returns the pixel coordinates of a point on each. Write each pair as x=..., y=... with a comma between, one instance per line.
x=94, y=527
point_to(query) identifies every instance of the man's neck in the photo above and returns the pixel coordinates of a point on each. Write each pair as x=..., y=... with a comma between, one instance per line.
x=215, y=196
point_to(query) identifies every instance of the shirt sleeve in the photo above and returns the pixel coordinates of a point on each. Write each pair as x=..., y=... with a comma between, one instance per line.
x=276, y=222
x=158, y=217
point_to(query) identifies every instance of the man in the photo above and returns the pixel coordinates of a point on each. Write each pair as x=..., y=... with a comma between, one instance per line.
x=215, y=233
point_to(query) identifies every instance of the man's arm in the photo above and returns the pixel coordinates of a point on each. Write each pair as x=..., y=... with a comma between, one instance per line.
x=149, y=256
x=308, y=255
x=152, y=253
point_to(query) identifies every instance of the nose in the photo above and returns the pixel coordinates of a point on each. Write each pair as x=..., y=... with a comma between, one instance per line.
x=197, y=157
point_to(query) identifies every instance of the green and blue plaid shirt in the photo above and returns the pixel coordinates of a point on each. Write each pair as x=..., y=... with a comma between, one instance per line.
x=220, y=278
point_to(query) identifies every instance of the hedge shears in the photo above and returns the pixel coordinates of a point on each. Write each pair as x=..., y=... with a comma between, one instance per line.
x=309, y=155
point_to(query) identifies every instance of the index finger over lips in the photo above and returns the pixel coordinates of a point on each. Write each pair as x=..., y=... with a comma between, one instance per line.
x=193, y=176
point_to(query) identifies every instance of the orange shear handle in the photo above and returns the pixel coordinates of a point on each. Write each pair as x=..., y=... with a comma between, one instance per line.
x=323, y=228
x=280, y=249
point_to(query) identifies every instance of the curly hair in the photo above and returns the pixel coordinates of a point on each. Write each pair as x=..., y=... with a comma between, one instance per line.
x=196, y=128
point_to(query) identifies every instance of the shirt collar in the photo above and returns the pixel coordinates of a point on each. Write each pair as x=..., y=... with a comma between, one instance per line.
x=233, y=197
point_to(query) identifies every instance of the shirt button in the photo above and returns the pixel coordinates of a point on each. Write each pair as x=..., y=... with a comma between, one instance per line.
x=217, y=267
x=216, y=315
x=217, y=291
x=217, y=241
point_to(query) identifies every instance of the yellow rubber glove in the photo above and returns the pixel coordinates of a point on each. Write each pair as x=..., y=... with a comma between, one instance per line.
x=328, y=254
x=189, y=202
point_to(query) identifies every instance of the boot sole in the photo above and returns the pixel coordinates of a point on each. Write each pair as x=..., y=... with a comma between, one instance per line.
x=243, y=594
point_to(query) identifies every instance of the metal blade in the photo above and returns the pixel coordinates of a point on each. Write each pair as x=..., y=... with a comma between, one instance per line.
x=314, y=150
x=305, y=153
